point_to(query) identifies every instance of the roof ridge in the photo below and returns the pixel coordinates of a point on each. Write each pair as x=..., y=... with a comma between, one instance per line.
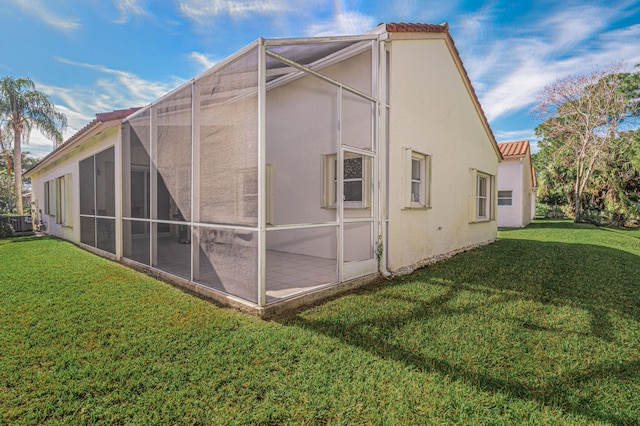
x=410, y=27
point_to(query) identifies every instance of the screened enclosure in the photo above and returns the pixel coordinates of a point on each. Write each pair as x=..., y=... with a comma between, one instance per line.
x=258, y=178
x=97, y=201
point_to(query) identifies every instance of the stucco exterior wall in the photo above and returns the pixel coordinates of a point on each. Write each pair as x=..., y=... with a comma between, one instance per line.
x=515, y=175
x=510, y=179
x=432, y=112
x=527, y=190
x=68, y=164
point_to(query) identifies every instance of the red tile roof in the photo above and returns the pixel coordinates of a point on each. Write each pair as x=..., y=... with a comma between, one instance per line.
x=514, y=149
x=100, y=118
x=403, y=27
x=518, y=149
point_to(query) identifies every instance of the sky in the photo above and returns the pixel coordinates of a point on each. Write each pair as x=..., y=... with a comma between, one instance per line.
x=94, y=56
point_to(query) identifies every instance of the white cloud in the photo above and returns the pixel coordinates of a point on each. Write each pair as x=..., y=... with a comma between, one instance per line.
x=112, y=89
x=36, y=9
x=125, y=86
x=205, y=61
x=130, y=8
x=200, y=10
x=573, y=25
x=515, y=135
x=508, y=72
x=342, y=23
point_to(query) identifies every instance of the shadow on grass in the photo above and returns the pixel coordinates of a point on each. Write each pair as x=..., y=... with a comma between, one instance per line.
x=599, y=280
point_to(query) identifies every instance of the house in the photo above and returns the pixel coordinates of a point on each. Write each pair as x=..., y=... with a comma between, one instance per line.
x=294, y=169
x=68, y=201
x=516, y=185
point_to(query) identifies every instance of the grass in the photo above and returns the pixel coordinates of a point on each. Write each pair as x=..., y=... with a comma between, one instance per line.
x=542, y=327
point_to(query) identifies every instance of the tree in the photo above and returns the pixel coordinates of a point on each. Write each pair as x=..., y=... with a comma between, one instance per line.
x=7, y=195
x=22, y=109
x=581, y=118
x=619, y=183
x=630, y=88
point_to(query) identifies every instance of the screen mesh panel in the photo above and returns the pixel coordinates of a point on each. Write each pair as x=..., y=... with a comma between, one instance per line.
x=87, y=200
x=357, y=121
x=173, y=155
x=299, y=260
x=88, y=231
x=173, y=249
x=228, y=261
x=137, y=172
x=357, y=241
x=301, y=132
x=228, y=143
x=106, y=234
x=105, y=183
x=136, y=240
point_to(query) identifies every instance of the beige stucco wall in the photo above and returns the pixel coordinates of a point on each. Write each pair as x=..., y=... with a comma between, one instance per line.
x=514, y=175
x=510, y=179
x=68, y=163
x=432, y=112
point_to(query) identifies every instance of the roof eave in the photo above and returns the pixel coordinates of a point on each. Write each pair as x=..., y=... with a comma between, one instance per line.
x=95, y=130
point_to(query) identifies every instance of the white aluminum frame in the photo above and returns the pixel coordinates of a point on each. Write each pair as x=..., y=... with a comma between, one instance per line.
x=261, y=45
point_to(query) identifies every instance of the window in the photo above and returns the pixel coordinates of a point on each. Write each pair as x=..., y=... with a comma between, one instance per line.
x=505, y=198
x=60, y=199
x=357, y=181
x=483, y=188
x=248, y=192
x=50, y=204
x=47, y=197
x=417, y=179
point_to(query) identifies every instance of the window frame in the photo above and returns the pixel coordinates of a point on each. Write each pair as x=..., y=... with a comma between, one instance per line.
x=487, y=197
x=247, y=198
x=60, y=205
x=330, y=179
x=47, y=197
x=424, y=192
x=503, y=198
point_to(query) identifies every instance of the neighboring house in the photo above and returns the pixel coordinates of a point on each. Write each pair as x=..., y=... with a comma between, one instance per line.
x=291, y=170
x=516, y=185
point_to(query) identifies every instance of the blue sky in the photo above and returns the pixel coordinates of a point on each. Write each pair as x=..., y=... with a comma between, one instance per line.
x=94, y=56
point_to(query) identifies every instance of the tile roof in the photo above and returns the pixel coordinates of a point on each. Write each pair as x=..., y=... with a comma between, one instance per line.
x=403, y=27
x=100, y=118
x=514, y=149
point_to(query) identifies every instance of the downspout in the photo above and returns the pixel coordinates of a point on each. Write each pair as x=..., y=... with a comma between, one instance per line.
x=383, y=154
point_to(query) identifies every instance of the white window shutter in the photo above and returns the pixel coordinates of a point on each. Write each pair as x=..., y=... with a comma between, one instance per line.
x=473, y=189
x=406, y=176
x=68, y=198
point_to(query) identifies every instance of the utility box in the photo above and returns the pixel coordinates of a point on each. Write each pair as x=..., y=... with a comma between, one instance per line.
x=21, y=224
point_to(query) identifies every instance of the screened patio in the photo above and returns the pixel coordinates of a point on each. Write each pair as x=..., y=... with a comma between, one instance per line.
x=257, y=179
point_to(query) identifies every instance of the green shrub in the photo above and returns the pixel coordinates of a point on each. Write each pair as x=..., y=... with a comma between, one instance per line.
x=6, y=230
x=551, y=211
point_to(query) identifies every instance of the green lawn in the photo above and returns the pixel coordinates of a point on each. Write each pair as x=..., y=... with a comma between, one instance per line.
x=542, y=327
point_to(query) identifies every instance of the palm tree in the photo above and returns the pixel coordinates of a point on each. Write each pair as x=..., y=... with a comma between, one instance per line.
x=23, y=108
